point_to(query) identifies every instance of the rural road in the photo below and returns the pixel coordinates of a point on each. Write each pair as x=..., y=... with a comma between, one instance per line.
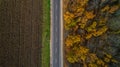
x=56, y=38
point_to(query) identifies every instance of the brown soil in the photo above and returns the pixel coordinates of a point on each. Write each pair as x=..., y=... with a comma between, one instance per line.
x=20, y=33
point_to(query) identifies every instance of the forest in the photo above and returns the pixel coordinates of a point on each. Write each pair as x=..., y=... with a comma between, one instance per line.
x=92, y=33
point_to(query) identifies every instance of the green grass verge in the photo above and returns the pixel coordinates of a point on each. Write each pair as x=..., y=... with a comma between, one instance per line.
x=46, y=34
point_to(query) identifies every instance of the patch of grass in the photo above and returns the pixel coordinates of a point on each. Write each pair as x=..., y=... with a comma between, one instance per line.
x=46, y=34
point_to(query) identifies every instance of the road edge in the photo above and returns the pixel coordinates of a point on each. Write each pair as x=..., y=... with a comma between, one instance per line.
x=61, y=18
x=51, y=25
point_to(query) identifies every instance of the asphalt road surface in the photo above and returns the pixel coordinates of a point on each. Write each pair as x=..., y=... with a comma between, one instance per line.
x=56, y=32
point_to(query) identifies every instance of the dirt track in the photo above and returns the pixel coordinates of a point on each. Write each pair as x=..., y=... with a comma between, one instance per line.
x=20, y=33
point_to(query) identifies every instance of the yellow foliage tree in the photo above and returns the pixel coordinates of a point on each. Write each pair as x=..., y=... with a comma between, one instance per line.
x=72, y=39
x=82, y=25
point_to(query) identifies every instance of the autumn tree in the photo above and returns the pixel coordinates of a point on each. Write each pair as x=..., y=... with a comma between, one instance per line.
x=86, y=20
